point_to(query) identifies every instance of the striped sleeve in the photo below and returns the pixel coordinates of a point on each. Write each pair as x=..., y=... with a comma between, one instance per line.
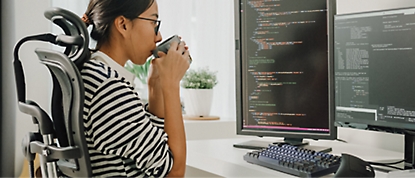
x=119, y=125
x=159, y=122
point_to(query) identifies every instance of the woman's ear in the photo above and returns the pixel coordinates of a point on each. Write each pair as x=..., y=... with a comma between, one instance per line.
x=121, y=24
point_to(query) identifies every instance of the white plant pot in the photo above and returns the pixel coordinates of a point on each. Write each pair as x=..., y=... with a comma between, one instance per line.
x=197, y=102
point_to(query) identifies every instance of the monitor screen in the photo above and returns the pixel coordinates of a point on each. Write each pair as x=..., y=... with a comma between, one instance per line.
x=283, y=68
x=375, y=68
x=374, y=73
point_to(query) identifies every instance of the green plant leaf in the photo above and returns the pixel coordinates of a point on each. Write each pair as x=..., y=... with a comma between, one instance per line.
x=199, y=79
x=140, y=71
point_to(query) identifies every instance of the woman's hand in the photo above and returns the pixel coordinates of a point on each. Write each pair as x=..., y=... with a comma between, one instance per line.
x=153, y=76
x=170, y=68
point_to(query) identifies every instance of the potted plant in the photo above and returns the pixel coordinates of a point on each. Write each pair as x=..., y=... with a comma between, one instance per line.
x=198, y=91
x=141, y=73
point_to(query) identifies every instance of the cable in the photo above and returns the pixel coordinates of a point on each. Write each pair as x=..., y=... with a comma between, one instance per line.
x=388, y=164
x=393, y=167
x=32, y=169
x=340, y=140
x=380, y=164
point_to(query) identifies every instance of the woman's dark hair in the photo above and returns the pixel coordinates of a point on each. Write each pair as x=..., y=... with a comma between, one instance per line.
x=101, y=14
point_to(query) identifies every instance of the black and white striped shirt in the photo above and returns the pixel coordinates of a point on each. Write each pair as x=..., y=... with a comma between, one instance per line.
x=123, y=138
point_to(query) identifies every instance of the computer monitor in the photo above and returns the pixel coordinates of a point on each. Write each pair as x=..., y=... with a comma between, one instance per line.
x=374, y=72
x=283, y=68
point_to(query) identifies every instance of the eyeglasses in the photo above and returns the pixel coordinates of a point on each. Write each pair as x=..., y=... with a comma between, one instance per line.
x=157, y=22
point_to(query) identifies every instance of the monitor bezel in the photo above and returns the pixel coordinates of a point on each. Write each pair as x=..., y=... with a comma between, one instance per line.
x=331, y=4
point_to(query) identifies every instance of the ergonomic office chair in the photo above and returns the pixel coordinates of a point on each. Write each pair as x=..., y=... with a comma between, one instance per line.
x=60, y=140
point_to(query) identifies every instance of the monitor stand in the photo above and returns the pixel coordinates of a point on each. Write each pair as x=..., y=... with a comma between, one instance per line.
x=260, y=144
x=409, y=156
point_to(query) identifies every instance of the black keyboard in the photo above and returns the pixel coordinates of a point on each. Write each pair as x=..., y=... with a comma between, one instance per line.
x=295, y=160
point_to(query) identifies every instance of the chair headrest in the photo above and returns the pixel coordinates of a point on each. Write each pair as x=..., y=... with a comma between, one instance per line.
x=76, y=37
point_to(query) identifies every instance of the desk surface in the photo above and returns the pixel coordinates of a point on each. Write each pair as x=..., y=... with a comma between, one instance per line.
x=218, y=157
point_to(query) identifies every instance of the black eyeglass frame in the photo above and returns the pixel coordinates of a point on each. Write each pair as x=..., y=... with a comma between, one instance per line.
x=158, y=23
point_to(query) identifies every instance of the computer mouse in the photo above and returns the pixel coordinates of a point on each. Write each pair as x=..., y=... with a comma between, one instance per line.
x=352, y=166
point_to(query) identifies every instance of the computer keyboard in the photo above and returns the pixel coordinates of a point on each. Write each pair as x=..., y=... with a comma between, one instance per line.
x=295, y=160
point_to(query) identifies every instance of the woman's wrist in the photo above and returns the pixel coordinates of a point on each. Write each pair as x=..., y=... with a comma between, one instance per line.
x=153, y=82
x=156, y=101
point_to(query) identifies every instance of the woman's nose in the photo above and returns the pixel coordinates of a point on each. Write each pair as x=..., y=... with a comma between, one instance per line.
x=158, y=37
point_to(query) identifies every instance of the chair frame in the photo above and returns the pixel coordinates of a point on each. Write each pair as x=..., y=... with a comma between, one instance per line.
x=60, y=140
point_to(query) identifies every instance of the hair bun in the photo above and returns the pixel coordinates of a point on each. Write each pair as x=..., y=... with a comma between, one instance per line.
x=86, y=20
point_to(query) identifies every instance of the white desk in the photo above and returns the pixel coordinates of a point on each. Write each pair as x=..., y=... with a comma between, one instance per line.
x=218, y=158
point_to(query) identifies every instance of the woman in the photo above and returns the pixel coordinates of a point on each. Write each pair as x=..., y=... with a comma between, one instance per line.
x=125, y=136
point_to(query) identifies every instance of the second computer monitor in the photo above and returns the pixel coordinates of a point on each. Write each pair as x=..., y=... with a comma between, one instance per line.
x=375, y=73
x=375, y=68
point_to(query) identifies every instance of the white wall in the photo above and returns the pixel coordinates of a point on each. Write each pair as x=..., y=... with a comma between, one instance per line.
x=197, y=23
x=207, y=26
x=24, y=18
x=351, y=6
x=7, y=115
